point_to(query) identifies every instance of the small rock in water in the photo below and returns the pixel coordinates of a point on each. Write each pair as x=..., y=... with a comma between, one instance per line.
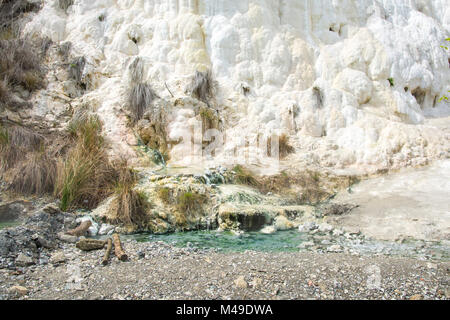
x=416, y=297
x=306, y=244
x=240, y=282
x=67, y=238
x=106, y=229
x=268, y=229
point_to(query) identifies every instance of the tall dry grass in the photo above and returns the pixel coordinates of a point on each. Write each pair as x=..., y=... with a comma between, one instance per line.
x=203, y=87
x=130, y=206
x=140, y=98
x=85, y=176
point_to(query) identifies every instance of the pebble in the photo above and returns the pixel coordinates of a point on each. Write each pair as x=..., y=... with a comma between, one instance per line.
x=24, y=260
x=19, y=290
x=256, y=282
x=334, y=248
x=58, y=257
x=241, y=283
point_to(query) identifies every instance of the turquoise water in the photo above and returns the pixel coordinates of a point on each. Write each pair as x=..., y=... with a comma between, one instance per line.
x=9, y=224
x=228, y=241
x=291, y=240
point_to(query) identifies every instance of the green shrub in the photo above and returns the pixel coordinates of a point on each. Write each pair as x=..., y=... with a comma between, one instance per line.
x=244, y=176
x=189, y=202
x=164, y=193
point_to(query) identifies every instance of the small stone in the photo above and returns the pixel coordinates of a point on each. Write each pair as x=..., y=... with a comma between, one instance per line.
x=67, y=238
x=325, y=227
x=334, y=248
x=141, y=254
x=106, y=229
x=268, y=230
x=306, y=244
x=24, y=260
x=256, y=283
x=240, y=282
x=19, y=290
x=51, y=208
x=58, y=257
x=416, y=297
x=42, y=242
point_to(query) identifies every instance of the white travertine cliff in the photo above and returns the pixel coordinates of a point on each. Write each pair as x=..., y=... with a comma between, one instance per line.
x=316, y=70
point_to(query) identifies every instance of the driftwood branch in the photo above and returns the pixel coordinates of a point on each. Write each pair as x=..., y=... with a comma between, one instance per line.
x=90, y=244
x=108, y=252
x=81, y=229
x=118, y=250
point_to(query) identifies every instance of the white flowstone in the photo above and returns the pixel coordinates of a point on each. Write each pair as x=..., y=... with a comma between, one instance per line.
x=283, y=223
x=106, y=229
x=280, y=51
x=93, y=229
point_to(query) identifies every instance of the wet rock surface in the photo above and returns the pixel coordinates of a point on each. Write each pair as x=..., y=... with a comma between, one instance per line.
x=30, y=243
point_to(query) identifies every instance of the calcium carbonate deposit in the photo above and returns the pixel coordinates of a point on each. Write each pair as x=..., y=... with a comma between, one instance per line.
x=353, y=84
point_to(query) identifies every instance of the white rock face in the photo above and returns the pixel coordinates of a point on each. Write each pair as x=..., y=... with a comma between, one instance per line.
x=315, y=70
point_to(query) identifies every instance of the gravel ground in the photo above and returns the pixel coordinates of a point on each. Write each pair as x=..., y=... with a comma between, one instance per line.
x=157, y=270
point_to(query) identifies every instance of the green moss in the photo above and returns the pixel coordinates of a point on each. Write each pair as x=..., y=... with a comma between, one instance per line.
x=244, y=176
x=391, y=81
x=164, y=194
x=188, y=202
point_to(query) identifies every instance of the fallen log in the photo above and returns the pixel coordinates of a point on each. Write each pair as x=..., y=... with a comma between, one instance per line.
x=118, y=250
x=81, y=229
x=90, y=244
x=108, y=252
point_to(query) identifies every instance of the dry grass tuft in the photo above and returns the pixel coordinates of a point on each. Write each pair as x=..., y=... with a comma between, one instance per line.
x=34, y=176
x=137, y=70
x=85, y=176
x=10, y=10
x=140, y=98
x=131, y=206
x=20, y=64
x=203, y=87
x=245, y=176
x=5, y=97
x=285, y=146
x=15, y=143
x=76, y=68
x=65, y=4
